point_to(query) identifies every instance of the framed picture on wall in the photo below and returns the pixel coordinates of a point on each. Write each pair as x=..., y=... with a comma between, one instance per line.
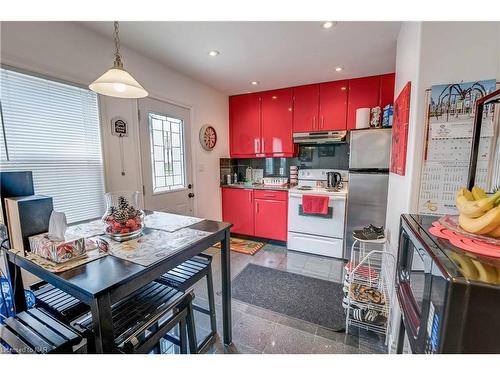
x=400, y=131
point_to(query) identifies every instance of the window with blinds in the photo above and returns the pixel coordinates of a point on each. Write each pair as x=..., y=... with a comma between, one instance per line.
x=52, y=129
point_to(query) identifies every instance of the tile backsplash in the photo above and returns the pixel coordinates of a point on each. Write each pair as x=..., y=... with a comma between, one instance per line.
x=334, y=156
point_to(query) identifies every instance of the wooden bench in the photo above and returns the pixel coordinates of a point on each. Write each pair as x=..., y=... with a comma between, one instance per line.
x=147, y=315
x=63, y=306
x=184, y=276
x=36, y=331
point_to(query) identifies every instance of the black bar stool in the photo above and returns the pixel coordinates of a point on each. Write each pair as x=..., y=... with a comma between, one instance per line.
x=35, y=331
x=141, y=320
x=184, y=276
x=60, y=304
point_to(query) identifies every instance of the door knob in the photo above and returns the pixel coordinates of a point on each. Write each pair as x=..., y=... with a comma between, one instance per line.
x=191, y=195
x=190, y=186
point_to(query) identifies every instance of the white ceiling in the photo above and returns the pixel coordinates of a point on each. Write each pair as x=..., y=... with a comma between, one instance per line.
x=277, y=54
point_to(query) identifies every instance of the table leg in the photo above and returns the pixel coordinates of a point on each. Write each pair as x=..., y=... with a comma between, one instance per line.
x=102, y=321
x=16, y=281
x=226, y=287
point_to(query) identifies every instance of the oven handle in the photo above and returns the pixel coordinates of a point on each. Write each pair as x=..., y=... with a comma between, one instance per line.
x=409, y=307
x=331, y=197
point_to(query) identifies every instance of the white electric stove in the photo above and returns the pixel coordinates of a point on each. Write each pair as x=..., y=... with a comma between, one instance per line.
x=315, y=233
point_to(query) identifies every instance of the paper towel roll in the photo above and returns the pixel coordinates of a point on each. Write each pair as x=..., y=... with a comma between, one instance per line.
x=362, y=118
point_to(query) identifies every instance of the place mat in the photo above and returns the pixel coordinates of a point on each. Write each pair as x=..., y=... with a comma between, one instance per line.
x=467, y=243
x=53, y=267
x=240, y=245
x=154, y=245
x=86, y=230
x=169, y=222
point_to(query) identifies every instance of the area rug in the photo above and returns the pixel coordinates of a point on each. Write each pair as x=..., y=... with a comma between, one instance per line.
x=313, y=300
x=244, y=246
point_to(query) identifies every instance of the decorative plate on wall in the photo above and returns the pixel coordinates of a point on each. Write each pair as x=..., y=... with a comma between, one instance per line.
x=208, y=137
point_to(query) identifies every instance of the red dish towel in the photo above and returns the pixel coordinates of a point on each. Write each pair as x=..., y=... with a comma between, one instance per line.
x=315, y=204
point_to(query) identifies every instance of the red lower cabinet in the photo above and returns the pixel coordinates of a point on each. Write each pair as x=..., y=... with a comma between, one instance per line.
x=260, y=213
x=237, y=209
x=271, y=218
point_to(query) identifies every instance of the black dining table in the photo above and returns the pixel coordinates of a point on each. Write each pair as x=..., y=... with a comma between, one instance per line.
x=107, y=280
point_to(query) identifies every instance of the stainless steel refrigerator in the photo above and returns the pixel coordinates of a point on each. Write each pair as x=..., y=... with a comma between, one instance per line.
x=368, y=180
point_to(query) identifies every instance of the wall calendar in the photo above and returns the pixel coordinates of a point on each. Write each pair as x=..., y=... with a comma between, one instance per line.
x=448, y=145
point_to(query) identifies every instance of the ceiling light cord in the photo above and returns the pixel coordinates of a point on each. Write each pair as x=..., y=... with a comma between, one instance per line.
x=118, y=59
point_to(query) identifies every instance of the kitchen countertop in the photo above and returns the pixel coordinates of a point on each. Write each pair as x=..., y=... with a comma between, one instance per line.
x=257, y=187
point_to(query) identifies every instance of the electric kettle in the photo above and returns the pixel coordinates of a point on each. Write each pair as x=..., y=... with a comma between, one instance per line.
x=333, y=179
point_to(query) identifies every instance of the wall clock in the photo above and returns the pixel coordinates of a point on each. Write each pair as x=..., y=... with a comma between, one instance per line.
x=208, y=137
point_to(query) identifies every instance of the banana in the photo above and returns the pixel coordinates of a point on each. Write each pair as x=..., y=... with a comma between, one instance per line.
x=495, y=232
x=472, y=208
x=481, y=225
x=465, y=265
x=478, y=193
x=487, y=273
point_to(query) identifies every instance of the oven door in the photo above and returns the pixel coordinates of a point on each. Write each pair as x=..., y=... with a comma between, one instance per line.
x=414, y=279
x=329, y=225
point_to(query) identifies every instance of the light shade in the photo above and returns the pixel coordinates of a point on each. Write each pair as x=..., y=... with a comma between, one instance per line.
x=119, y=83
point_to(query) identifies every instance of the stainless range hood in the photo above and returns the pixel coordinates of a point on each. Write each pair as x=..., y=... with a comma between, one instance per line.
x=316, y=138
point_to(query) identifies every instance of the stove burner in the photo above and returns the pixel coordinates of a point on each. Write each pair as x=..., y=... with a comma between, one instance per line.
x=304, y=187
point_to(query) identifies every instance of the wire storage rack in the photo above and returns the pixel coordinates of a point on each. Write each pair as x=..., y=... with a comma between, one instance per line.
x=369, y=287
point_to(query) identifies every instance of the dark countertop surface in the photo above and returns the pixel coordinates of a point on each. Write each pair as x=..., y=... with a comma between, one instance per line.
x=256, y=187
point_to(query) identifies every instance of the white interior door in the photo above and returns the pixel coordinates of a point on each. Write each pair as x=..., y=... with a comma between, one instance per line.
x=166, y=157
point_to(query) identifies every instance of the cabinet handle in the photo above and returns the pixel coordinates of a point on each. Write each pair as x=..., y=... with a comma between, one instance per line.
x=321, y=122
x=269, y=195
x=257, y=146
x=314, y=122
x=262, y=150
x=250, y=196
x=257, y=207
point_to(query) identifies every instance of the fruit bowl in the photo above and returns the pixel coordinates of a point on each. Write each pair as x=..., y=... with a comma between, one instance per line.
x=451, y=222
x=123, y=220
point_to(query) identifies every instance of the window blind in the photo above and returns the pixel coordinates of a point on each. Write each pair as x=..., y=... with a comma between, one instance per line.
x=52, y=129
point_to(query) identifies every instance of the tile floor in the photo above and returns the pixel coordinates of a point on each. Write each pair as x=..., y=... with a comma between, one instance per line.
x=257, y=330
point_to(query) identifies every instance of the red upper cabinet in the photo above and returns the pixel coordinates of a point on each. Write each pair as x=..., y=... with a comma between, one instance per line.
x=387, y=89
x=277, y=120
x=244, y=118
x=305, y=108
x=333, y=105
x=363, y=93
x=238, y=209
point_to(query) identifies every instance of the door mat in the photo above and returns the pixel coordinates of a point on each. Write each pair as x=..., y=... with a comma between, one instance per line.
x=244, y=246
x=313, y=300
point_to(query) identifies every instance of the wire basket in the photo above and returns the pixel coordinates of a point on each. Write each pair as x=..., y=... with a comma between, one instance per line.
x=369, y=287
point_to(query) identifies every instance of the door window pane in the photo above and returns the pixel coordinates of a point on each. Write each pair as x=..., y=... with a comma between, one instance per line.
x=167, y=152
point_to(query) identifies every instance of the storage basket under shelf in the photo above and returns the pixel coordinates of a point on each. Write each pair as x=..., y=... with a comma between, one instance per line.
x=369, y=287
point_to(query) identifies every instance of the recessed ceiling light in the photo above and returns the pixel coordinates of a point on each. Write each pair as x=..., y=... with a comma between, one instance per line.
x=255, y=83
x=328, y=24
x=214, y=53
x=339, y=69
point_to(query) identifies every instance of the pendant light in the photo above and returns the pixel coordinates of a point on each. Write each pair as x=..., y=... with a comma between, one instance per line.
x=117, y=81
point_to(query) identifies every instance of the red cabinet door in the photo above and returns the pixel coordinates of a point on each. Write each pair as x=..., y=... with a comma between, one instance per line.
x=305, y=108
x=333, y=105
x=277, y=119
x=271, y=219
x=237, y=209
x=387, y=89
x=244, y=118
x=363, y=93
